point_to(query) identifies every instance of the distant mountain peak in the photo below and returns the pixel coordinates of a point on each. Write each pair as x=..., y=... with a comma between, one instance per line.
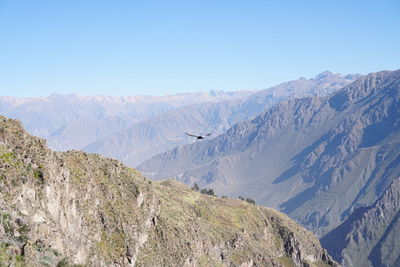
x=323, y=75
x=216, y=92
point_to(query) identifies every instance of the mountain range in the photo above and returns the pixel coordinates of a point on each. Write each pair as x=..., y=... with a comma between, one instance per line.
x=159, y=133
x=325, y=151
x=133, y=129
x=318, y=159
x=55, y=117
x=324, y=161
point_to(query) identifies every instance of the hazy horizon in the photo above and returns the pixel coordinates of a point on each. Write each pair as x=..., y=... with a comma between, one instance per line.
x=173, y=93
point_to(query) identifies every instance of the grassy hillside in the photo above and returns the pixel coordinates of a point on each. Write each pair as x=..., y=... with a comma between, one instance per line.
x=76, y=208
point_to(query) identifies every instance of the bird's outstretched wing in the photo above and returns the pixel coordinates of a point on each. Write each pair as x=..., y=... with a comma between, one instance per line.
x=208, y=134
x=191, y=135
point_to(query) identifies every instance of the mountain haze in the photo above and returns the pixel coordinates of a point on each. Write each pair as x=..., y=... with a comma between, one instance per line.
x=317, y=159
x=73, y=121
x=165, y=131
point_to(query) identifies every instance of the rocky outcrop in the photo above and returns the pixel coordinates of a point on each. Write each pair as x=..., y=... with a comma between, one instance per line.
x=65, y=208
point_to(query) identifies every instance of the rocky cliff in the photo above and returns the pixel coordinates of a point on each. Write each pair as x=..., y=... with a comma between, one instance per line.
x=69, y=208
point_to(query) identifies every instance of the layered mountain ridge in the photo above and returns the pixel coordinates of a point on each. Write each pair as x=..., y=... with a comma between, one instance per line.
x=165, y=131
x=52, y=117
x=317, y=159
x=66, y=208
x=135, y=128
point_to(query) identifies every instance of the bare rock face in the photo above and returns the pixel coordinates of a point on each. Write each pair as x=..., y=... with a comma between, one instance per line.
x=65, y=208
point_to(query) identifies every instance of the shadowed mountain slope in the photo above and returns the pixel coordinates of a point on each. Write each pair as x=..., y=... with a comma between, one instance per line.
x=66, y=208
x=370, y=236
x=316, y=159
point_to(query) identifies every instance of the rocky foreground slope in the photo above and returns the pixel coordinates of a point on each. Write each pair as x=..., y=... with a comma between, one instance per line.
x=64, y=208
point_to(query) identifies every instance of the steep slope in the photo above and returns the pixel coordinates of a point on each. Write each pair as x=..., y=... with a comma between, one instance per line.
x=316, y=159
x=158, y=134
x=370, y=236
x=61, y=208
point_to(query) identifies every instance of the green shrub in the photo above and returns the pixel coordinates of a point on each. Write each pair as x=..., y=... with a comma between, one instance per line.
x=250, y=200
x=247, y=200
x=196, y=187
x=208, y=191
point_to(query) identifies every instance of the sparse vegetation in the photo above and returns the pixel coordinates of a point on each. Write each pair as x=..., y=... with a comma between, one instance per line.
x=38, y=174
x=117, y=209
x=250, y=200
x=196, y=187
x=7, y=225
x=209, y=191
x=247, y=200
x=23, y=233
x=8, y=254
x=7, y=157
x=65, y=262
x=205, y=191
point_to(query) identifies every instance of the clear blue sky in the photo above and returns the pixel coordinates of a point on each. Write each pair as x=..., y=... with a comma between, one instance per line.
x=166, y=47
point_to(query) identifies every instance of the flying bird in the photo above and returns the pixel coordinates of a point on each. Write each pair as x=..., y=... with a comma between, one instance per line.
x=198, y=136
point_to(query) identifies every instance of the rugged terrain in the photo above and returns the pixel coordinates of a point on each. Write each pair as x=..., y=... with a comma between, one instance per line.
x=74, y=121
x=370, y=236
x=159, y=133
x=317, y=159
x=135, y=128
x=65, y=208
